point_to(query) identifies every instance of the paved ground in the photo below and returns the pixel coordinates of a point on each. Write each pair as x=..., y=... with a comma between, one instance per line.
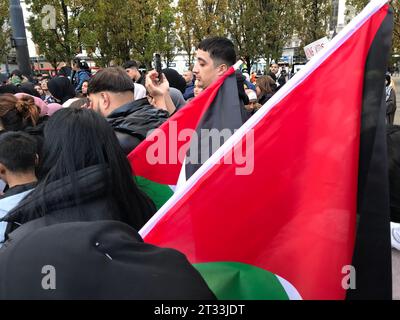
x=396, y=254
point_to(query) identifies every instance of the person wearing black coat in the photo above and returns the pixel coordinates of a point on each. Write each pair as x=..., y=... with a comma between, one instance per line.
x=82, y=222
x=98, y=260
x=391, y=105
x=133, y=121
x=61, y=89
x=83, y=176
x=111, y=92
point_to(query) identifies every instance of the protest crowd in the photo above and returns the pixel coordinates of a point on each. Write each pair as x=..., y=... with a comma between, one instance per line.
x=67, y=188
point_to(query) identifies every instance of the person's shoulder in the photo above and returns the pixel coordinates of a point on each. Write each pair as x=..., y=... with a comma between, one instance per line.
x=127, y=141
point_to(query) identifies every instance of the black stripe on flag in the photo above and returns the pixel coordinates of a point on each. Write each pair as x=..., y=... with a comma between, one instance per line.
x=223, y=114
x=372, y=255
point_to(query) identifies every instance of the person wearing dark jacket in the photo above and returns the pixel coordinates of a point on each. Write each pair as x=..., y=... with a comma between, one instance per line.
x=98, y=260
x=18, y=160
x=132, y=69
x=279, y=78
x=10, y=88
x=111, y=92
x=83, y=176
x=391, y=105
x=175, y=79
x=393, y=140
x=190, y=79
x=81, y=73
x=83, y=219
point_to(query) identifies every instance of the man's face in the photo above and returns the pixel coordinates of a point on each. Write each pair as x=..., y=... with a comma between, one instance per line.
x=44, y=85
x=133, y=73
x=274, y=69
x=85, y=86
x=205, y=70
x=188, y=76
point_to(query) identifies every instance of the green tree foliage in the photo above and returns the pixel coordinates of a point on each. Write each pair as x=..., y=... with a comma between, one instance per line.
x=199, y=19
x=187, y=13
x=314, y=20
x=360, y=4
x=4, y=30
x=278, y=22
x=119, y=30
x=106, y=30
x=62, y=43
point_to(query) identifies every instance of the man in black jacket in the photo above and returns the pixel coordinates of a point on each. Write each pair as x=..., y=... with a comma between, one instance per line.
x=111, y=93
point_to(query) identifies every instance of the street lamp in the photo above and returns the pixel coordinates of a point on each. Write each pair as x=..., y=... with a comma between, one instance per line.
x=19, y=40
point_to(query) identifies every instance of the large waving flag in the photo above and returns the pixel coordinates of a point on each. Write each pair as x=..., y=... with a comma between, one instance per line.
x=157, y=162
x=287, y=227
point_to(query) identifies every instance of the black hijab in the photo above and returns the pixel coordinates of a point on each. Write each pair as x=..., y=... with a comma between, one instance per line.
x=61, y=89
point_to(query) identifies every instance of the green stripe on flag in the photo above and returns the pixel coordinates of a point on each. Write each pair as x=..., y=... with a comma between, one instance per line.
x=237, y=281
x=159, y=193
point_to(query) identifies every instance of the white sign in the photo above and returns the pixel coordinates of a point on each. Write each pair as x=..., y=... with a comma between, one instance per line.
x=312, y=49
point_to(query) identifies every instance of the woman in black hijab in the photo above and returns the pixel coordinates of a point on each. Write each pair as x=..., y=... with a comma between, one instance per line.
x=61, y=89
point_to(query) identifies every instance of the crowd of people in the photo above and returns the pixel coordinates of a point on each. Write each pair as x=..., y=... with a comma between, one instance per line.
x=67, y=190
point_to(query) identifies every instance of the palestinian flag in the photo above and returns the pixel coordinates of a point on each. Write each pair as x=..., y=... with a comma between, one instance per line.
x=157, y=162
x=283, y=224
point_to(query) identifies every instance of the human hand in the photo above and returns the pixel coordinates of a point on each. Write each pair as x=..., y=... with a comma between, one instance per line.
x=154, y=86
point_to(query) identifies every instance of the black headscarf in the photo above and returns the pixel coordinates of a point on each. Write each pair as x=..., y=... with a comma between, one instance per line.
x=10, y=88
x=175, y=79
x=29, y=88
x=61, y=89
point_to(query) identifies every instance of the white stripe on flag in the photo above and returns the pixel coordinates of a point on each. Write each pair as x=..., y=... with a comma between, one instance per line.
x=290, y=290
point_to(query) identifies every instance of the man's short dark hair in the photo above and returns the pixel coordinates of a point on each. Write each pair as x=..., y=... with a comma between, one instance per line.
x=114, y=79
x=130, y=64
x=18, y=152
x=221, y=50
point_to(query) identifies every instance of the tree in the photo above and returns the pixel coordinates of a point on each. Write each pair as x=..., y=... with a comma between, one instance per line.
x=278, y=21
x=199, y=19
x=315, y=19
x=58, y=43
x=242, y=17
x=187, y=11
x=140, y=29
x=107, y=39
x=358, y=5
x=5, y=31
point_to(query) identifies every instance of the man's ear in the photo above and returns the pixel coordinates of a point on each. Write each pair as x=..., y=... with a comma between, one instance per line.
x=105, y=98
x=3, y=172
x=222, y=69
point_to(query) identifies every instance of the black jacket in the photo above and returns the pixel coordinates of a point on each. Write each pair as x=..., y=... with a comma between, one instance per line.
x=99, y=260
x=393, y=140
x=391, y=107
x=57, y=203
x=133, y=121
x=263, y=100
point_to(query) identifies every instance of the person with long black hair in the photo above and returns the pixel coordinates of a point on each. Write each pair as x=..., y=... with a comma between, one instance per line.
x=83, y=219
x=83, y=176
